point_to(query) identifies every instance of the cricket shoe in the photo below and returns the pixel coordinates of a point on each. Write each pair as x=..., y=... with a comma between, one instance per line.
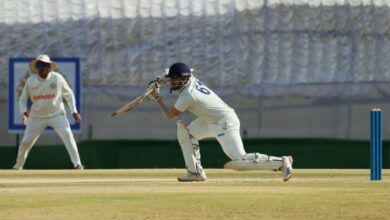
x=287, y=168
x=78, y=167
x=191, y=177
x=17, y=167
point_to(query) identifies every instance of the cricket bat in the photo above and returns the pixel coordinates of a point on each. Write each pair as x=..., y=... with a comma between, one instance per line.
x=131, y=105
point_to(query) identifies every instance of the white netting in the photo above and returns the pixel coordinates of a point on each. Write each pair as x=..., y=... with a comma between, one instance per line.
x=266, y=48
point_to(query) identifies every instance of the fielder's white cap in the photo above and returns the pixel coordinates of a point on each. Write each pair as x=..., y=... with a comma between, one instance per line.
x=42, y=58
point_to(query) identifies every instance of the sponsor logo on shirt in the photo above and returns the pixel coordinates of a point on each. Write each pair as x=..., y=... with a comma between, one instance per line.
x=44, y=96
x=53, y=85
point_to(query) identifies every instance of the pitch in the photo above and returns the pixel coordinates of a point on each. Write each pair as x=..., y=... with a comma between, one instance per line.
x=155, y=194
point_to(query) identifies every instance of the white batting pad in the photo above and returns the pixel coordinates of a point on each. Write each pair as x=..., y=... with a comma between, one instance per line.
x=190, y=148
x=255, y=161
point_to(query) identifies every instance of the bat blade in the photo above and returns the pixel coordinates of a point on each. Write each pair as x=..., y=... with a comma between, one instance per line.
x=131, y=105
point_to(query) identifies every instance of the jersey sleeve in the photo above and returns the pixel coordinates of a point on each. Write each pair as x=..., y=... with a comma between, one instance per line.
x=67, y=93
x=23, y=99
x=183, y=102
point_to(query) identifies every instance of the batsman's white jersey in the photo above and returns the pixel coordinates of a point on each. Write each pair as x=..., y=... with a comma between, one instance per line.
x=215, y=117
x=201, y=101
x=47, y=109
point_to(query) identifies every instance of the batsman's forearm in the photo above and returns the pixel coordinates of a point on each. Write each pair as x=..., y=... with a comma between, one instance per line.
x=164, y=109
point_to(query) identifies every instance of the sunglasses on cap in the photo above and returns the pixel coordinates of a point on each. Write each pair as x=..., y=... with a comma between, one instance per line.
x=41, y=64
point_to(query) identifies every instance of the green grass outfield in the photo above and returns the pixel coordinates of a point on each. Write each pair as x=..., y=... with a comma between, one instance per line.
x=155, y=194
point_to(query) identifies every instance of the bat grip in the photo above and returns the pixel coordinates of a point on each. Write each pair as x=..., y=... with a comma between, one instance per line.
x=148, y=92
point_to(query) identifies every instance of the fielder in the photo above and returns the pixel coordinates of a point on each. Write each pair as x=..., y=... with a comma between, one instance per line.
x=46, y=90
x=215, y=119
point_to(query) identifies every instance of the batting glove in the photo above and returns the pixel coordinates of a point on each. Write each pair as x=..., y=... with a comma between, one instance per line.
x=155, y=95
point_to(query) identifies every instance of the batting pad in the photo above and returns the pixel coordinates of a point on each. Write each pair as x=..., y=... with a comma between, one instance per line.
x=246, y=165
x=190, y=148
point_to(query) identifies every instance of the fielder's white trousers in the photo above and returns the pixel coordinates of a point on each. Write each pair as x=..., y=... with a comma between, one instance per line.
x=226, y=131
x=34, y=128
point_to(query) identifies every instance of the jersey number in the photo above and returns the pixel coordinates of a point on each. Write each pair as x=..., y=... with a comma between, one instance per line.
x=202, y=88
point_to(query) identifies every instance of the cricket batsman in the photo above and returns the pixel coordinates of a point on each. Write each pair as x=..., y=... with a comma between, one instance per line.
x=46, y=90
x=214, y=119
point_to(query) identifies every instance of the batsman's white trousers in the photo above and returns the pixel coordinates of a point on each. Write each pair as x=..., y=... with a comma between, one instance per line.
x=226, y=131
x=34, y=128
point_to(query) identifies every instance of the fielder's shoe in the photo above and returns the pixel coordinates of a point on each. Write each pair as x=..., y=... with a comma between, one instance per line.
x=190, y=177
x=287, y=168
x=79, y=167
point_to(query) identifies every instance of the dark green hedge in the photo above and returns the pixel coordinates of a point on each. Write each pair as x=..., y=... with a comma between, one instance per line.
x=104, y=154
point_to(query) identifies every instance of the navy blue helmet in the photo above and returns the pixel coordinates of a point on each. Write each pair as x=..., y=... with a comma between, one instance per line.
x=179, y=70
x=179, y=74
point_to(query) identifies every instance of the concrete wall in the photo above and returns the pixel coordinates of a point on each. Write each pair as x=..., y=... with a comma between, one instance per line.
x=260, y=118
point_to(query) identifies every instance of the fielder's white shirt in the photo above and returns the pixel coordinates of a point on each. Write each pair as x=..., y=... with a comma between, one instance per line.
x=46, y=95
x=202, y=102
